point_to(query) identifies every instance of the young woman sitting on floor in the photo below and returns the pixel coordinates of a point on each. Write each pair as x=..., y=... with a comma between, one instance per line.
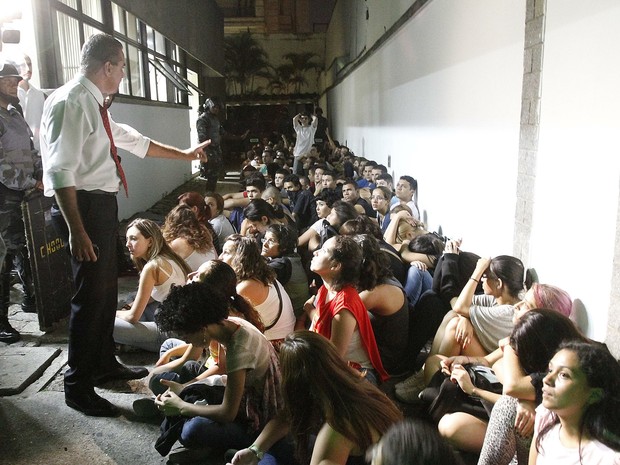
x=578, y=421
x=338, y=313
x=331, y=412
x=257, y=282
x=160, y=268
x=232, y=416
x=190, y=239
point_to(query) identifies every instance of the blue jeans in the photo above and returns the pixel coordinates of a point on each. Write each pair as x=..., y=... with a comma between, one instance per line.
x=200, y=432
x=417, y=283
x=188, y=371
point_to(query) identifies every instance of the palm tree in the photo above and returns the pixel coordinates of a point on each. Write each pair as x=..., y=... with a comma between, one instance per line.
x=245, y=59
x=301, y=64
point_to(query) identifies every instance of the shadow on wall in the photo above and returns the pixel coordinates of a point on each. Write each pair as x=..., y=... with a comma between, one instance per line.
x=580, y=315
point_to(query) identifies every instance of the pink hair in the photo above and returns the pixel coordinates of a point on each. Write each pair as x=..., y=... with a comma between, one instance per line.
x=553, y=298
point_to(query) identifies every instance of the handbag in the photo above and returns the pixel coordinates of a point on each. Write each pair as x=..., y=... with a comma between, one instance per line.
x=445, y=396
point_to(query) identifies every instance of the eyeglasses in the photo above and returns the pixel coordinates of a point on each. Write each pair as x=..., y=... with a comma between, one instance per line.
x=378, y=197
x=269, y=241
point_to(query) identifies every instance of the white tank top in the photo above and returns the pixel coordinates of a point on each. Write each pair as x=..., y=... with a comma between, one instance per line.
x=268, y=312
x=159, y=293
x=195, y=259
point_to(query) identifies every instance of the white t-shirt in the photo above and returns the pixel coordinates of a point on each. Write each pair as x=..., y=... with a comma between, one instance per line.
x=553, y=452
x=248, y=350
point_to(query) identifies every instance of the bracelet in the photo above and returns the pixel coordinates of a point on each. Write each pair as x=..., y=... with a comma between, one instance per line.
x=259, y=454
x=474, y=279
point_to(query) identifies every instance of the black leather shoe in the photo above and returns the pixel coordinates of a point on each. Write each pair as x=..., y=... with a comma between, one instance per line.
x=8, y=334
x=92, y=405
x=29, y=305
x=121, y=372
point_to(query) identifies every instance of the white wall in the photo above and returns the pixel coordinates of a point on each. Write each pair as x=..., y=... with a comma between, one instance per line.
x=574, y=223
x=151, y=179
x=442, y=97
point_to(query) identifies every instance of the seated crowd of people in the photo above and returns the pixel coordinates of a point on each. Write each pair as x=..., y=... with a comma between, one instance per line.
x=280, y=312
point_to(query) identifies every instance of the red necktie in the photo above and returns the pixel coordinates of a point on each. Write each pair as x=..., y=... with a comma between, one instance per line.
x=113, y=152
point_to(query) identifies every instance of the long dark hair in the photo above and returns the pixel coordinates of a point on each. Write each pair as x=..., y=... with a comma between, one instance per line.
x=414, y=441
x=430, y=244
x=537, y=336
x=344, y=212
x=318, y=386
x=512, y=273
x=600, y=420
x=258, y=208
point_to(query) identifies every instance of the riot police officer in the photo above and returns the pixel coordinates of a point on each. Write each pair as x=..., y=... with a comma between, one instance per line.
x=20, y=172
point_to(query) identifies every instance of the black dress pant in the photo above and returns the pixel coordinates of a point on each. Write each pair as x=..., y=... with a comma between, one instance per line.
x=94, y=304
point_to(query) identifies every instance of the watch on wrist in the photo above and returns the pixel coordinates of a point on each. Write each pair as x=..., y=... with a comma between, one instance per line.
x=259, y=454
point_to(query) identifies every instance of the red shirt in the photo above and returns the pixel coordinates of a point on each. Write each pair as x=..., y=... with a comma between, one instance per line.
x=349, y=299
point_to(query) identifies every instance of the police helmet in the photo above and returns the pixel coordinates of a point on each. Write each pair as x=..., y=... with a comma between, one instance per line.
x=211, y=103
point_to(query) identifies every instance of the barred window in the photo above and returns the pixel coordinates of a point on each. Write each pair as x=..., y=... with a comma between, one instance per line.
x=155, y=66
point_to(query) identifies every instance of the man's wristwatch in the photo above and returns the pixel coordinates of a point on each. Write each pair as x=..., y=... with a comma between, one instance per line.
x=259, y=453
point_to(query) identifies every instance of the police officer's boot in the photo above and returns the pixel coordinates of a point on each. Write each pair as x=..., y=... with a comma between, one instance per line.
x=8, y=334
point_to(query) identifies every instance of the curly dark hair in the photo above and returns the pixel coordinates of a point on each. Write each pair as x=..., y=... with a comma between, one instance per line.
x=348, y=254
x=189, y=308
x=287, y=238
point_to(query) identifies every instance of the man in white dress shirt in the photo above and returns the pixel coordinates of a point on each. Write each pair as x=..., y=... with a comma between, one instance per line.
x=82, y=170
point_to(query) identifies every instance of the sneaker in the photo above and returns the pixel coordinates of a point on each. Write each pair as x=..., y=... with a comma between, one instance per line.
x=8, y=334
x=146, y=408
x=413, y=380
x=411, y=396
x=410, y=393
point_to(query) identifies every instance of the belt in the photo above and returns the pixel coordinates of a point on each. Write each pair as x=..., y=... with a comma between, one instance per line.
x=96, y=192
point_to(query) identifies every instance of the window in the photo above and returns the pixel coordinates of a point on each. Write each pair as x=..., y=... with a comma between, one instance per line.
x=92, y=8
x=155, y=66
x=69, y=44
